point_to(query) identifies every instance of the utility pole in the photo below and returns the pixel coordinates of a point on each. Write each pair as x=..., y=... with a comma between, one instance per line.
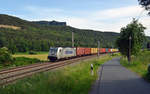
x=98, y=48
x=112, y=48
x=72, y=39
x=129, y=53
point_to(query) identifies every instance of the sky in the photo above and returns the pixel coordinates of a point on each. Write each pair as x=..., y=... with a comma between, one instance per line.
x=102, y=15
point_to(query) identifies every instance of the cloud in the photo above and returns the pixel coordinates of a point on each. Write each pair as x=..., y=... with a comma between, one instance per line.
x=146, y=23
x=103, y=20
x=107, y=20
x=129, y=11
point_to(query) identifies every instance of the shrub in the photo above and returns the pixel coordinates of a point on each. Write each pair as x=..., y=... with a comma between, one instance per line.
x=32, y=52
x=5, y=57
x=25, y=61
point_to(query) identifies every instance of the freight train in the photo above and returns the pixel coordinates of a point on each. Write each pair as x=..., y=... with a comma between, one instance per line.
x=58, y=53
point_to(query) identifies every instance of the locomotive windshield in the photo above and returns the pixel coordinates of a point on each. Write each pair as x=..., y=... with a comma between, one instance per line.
x=53, y=50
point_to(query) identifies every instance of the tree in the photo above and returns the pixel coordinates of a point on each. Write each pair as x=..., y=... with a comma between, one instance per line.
x=5, y=57
x=134, y=30
x=145, y=4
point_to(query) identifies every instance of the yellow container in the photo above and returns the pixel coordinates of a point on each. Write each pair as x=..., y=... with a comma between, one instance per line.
x=114, y=50
x=94, y=50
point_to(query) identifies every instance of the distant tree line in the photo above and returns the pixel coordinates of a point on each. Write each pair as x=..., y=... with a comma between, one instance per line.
x=42, y=40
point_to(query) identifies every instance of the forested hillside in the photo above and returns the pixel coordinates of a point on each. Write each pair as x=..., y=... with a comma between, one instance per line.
x=36, y=37
x=50, y=23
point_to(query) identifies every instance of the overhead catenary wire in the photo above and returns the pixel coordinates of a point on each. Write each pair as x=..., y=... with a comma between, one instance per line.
x=140, y=15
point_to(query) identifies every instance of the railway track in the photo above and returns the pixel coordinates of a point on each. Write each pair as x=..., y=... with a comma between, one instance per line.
x=10, y=75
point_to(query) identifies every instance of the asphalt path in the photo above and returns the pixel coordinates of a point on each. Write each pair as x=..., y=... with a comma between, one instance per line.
x=116, y=79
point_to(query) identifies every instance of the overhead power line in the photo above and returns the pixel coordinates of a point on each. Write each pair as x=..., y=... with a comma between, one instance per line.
x=141, y=13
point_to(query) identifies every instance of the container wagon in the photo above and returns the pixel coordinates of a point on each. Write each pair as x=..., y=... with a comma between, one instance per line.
x=87, y=51
x=102, y=50
x=94, y=50
x=80, y=51
x=106, y=50
x=109, y=50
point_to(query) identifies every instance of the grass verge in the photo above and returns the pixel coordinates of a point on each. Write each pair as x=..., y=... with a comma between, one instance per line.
x=139, y=64
x=76, y=79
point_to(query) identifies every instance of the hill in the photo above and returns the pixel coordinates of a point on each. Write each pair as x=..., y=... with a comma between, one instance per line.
x=56, y=23
x=33, y=36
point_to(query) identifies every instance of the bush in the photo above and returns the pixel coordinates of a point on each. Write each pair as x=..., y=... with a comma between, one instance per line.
x=5, y=57
x=32, y=53
x=115, y=54
x=19, y=61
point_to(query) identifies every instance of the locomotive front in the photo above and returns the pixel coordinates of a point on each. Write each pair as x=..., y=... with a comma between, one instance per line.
x=52, y=56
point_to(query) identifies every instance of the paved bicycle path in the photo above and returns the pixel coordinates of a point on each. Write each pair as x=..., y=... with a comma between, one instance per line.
x=116, y=79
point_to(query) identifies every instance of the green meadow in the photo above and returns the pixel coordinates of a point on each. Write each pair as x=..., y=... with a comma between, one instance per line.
x=73, y=79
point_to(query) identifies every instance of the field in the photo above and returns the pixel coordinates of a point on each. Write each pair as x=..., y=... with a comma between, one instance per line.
x=39, y=55
x=10, y=26
x=21, y=59
x=76, y=79
x=139, y=64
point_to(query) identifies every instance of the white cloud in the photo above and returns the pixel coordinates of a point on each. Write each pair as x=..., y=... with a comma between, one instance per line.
x=146, y=23
x=103, y=20
x=130, y=11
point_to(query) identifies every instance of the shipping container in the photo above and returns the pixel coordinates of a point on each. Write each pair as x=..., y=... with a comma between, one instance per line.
x=87, y=51
x=109, y=50
x=114, y=50
x=94, y=50
x=80, y=51
x=102, y=50
x=106, y=50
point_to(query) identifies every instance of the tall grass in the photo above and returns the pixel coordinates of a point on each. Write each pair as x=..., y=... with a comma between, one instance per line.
x=139, y=64
x=74, y=79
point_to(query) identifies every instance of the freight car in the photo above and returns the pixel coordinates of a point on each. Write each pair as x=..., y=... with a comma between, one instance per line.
x=94, y=50
x=87, y=51
x=102, y=50
x=57, y=53
x=80, y=51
